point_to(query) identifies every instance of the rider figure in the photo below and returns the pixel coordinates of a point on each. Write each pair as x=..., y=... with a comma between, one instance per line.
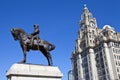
x=35, y=34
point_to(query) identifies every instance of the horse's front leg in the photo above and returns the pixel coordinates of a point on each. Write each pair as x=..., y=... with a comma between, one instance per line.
x=24, y=54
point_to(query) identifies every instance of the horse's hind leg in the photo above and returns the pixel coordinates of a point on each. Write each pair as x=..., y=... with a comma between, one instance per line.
x=49, y=58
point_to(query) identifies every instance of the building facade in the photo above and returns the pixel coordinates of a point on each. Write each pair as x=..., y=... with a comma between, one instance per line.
x=97, y=51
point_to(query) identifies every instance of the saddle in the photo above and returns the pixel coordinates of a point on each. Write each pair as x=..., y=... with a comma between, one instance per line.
x=35, y=41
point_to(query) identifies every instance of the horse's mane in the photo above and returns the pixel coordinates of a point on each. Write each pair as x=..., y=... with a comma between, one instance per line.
x=20, y=30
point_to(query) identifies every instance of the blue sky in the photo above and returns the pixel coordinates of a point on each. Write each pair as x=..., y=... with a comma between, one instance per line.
x=59, y=24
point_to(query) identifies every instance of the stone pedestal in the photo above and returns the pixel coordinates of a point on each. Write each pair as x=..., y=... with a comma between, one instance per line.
x=33, y=72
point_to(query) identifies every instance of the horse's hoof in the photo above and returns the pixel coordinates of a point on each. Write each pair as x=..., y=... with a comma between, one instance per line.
x=50, y=65
x=22, y=62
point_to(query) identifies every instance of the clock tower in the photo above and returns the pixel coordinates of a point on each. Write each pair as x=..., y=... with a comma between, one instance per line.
x=83, y=56
x=88, y=29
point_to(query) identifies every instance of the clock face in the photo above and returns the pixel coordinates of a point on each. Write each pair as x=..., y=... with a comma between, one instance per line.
x=92, y=24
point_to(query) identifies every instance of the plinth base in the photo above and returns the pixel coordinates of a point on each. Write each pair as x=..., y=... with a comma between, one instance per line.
x=33, y=72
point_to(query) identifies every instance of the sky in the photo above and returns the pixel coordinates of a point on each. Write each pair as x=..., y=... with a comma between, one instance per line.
x=58, y=22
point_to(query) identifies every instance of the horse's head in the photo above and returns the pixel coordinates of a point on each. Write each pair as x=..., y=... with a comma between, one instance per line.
x=18, y=33
x=14, y=33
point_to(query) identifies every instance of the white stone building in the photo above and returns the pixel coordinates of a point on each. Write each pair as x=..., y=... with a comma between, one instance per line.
x=97, y=51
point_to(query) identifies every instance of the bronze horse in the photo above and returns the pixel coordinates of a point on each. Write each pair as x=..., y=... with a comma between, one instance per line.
x=44, y=46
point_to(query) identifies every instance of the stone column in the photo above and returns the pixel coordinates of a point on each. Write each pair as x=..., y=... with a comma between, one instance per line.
x=79, y=67
x=108, y=60
x=33, y=72
x=92, y=66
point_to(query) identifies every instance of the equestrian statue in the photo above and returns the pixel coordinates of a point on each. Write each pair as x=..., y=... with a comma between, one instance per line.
x=33, y=42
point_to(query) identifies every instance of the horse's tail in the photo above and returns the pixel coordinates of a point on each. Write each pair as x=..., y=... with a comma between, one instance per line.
x=52, y=47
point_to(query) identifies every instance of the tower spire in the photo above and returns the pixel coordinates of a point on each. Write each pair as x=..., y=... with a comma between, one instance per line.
x=86, y=15
x=85, y=6
x=86, y=9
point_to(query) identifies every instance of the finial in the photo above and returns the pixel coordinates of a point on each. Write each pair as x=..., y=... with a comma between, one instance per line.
x=85, y=5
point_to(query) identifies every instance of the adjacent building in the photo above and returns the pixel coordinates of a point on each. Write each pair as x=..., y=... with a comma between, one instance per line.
x=70, y=75
x=97, y=51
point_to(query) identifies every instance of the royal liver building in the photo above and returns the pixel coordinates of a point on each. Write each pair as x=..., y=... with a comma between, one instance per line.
x=97, y=51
